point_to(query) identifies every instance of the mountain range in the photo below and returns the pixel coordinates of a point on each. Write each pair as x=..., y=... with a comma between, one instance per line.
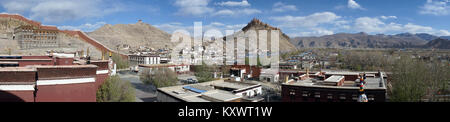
x=364, y=40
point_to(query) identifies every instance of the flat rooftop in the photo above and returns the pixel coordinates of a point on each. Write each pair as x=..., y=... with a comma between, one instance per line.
x=205, y=92
x=234, y=85
x=371, y=83
x=334, y=78
x=219, y=96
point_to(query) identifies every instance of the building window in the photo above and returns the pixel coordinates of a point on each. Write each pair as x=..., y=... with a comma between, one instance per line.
x=292, y=94
x=342, y=97
x=371, y=97
x=330, y=96
x=355, y=97
x=317, y=94
x=305, y=93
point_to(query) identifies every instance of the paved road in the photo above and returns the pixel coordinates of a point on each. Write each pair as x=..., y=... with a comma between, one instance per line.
x=144, y=93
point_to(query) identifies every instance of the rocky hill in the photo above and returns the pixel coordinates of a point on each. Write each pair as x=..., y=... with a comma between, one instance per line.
x=438, y=43
x=363, y=40
x=133, y=35
x=256, y=24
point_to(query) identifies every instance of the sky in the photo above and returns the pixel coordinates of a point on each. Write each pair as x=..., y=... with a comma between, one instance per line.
x=296, y=18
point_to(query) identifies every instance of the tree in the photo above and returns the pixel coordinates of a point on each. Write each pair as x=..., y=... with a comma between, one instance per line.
x=159, y=77
x=120, y=61
x=416, y=80
x=203, y=72
x=116, y=90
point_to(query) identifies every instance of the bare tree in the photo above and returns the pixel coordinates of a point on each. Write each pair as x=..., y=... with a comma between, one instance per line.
x=159, y=77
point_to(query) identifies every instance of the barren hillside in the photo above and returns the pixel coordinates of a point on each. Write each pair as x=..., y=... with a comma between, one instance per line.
x=134, y=35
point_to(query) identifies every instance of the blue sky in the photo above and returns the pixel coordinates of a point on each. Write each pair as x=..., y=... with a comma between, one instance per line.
x=294, y=17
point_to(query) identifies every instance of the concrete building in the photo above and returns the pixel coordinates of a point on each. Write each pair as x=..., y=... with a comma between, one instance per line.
x=50, y=79
x=243, y=72
x=213, y=91
x=180, y=69
x=144, y=59
x=269, y=75
x=29, y=36
x=334, y=87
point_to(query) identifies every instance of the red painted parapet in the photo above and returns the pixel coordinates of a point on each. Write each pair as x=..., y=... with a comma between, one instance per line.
x=63, y=61
x=17, y=84
x=36, y=57
x=102, y=72
x=74, y=83
x=59, y=82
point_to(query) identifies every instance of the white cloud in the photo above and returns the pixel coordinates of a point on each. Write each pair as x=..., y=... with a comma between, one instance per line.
x=250, y=11
x=353, y=5
x=375, y=25
x=316, y=24
x=61, y=10
x=342, y=24
x=172, y=27
x=236, y=12
x=88, y=27
x=412, y=28
x=217, y=24
x=436, y=7
x=312, y=32
x=17, y=6
x=224, y=12
x=369, y=25
x=244, y=3
x=201, y=8
x=443, y=33
x=306, y=21
x=281, y=7
x=388, y=17
x=193, y=7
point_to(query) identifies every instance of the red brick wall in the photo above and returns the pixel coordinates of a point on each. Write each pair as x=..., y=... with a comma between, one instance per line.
x=82, y=92
x=102, y=65
x=35, y=62
x=100, y=79
x=65, y=72
x=379, y=94
x=18, y=76
x=78, y=92
x=64, y=61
